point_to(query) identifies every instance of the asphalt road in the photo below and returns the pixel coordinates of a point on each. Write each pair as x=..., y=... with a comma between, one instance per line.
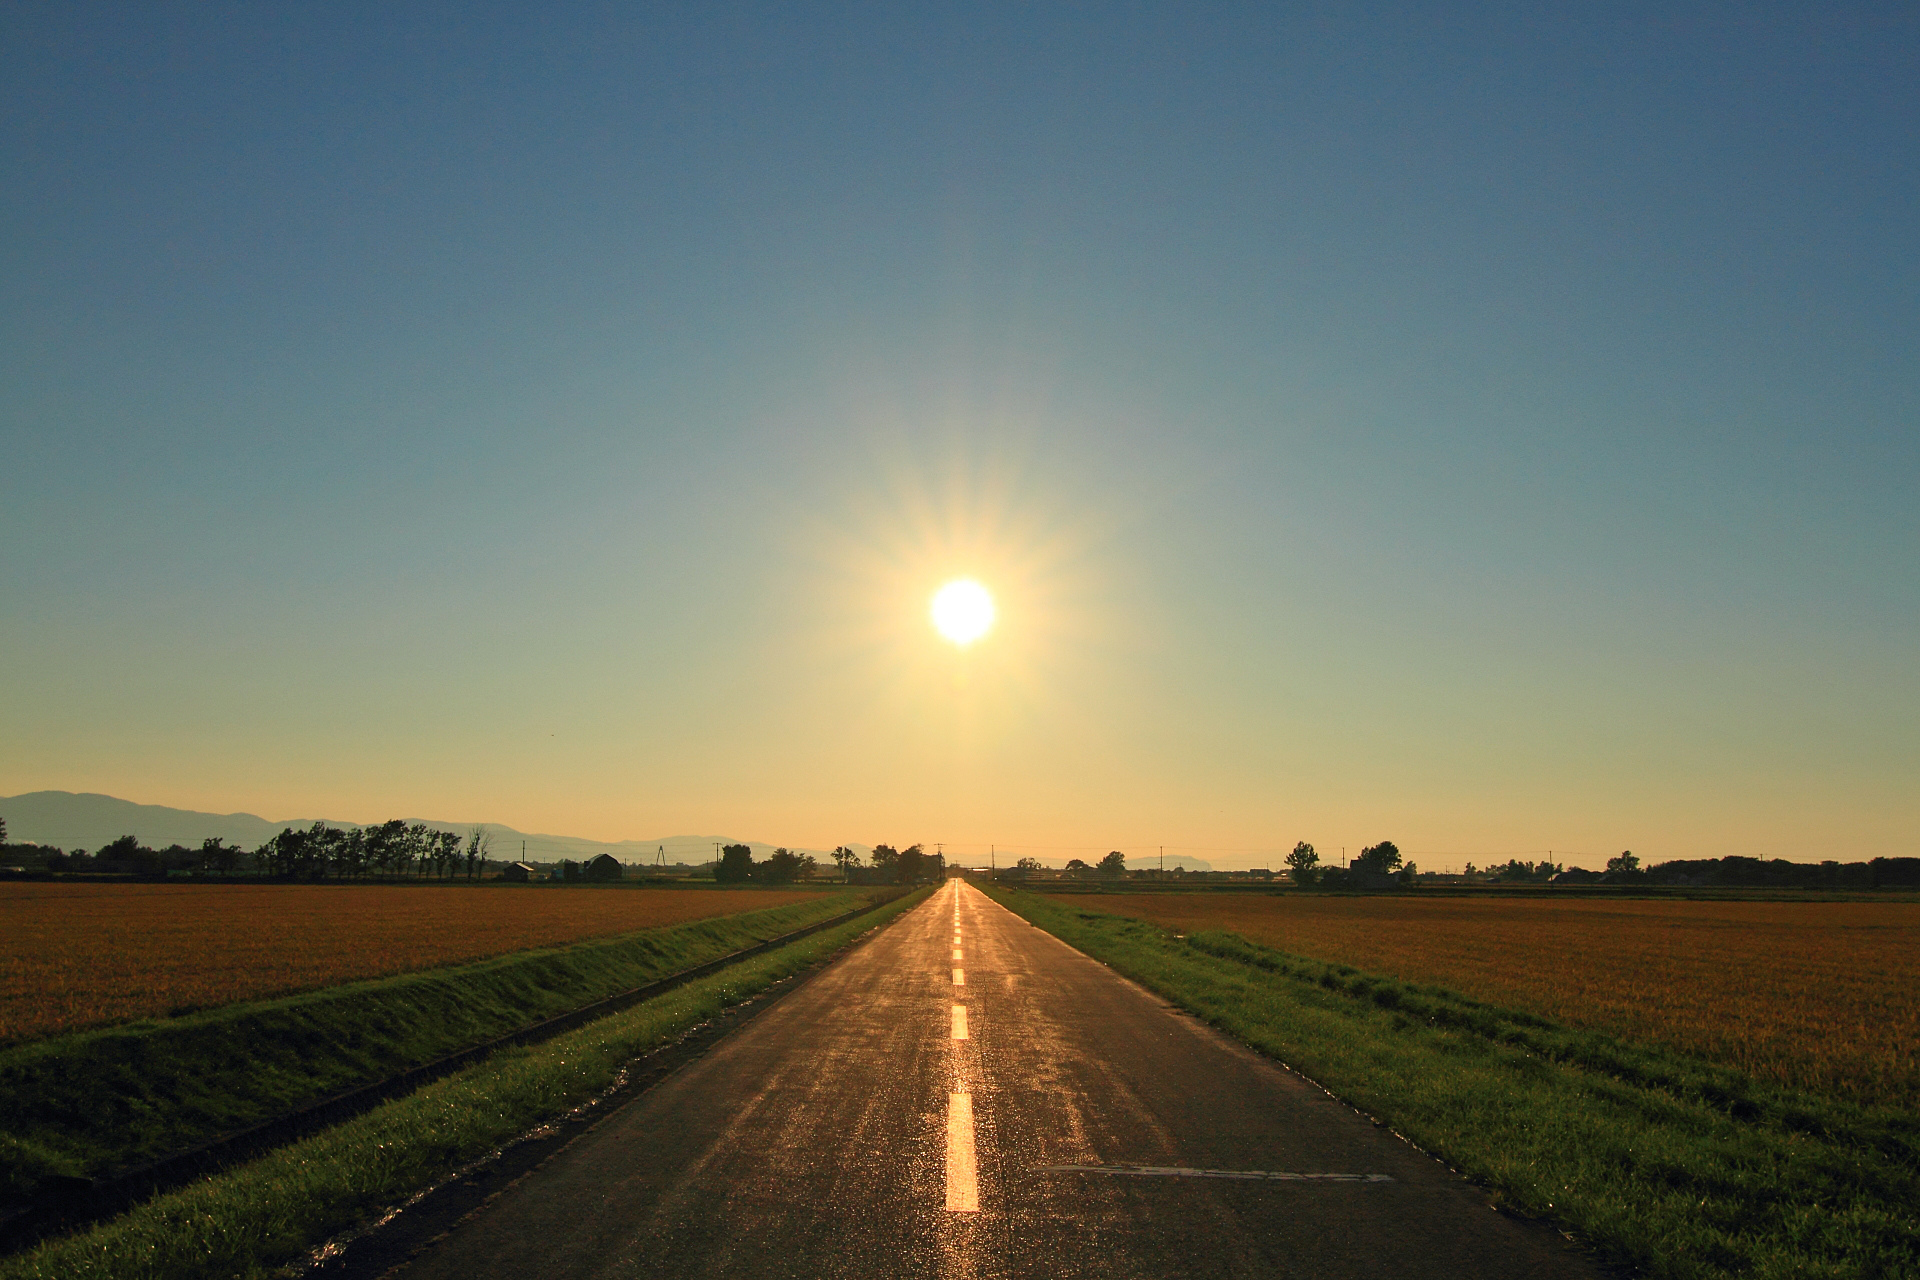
x=966, y=1096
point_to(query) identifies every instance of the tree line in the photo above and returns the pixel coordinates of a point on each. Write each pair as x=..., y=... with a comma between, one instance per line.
x=395, y=848
x=1736, y=871
x=1110, y=867
x=1624, y=870
x=1377, y=863
x=889, y=865
x=398, y=848
x=911, y=865
x=783, y=866
x=320, y=852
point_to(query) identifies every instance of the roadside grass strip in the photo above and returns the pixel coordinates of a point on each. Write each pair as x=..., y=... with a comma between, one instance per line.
x=265, y=1218
x=85, y=1104
x=1669, y=1165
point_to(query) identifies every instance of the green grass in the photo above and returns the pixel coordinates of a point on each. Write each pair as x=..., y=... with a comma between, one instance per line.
x=262, y=1218
x=1673, y=1166
x=93, y=1101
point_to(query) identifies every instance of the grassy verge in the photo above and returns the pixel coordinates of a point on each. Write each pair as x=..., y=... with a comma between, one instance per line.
x=83, y=1104
x=1675, y=1167
x=265, y=1216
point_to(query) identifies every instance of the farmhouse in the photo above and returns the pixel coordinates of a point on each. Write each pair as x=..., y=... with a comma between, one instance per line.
x=518, y=871
x=603, y=866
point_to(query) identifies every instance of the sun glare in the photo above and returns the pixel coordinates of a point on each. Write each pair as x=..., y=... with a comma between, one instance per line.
x=962, y=611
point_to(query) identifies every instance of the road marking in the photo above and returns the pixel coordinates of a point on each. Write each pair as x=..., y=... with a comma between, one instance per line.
x=963, y=1177
x=956, y=953
x=959, y=1022
x=1254, y=1175
x=959, y=977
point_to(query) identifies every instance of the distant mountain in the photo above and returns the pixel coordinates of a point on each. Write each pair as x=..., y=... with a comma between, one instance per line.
x=87, y=821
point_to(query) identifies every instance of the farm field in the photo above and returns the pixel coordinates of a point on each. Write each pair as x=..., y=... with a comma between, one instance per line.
x=81, y=955
x=1812, y=994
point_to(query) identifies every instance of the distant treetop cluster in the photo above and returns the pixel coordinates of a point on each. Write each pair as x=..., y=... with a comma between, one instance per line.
x=319, y=852
x=736, y=866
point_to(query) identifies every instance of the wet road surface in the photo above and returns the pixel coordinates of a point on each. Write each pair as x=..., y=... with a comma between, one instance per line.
x=967, y=1096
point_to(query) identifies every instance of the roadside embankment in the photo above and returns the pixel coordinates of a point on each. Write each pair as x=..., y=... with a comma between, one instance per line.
x=266, y=1216
x=1673, y=1166
x=84, y=1105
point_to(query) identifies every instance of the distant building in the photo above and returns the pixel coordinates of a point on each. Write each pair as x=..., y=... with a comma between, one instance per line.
x=518, y=871
x=603, y=866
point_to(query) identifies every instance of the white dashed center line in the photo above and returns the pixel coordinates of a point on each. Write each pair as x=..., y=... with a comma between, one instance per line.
x=963, y=1174
x=963, y=1177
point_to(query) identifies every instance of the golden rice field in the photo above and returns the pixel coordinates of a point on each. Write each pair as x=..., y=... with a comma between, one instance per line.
x=76, y=955
x=1821, y=995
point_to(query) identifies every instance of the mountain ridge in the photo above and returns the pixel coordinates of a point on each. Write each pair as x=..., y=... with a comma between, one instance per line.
x=90, y=819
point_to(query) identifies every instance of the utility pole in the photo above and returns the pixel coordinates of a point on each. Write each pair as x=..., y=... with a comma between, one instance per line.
x=993, y=862
x=1163, y=859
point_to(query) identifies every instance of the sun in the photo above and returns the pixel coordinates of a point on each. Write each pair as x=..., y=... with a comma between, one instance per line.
x=962, y=611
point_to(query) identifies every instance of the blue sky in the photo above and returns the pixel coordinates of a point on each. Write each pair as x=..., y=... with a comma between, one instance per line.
x=1492, y=430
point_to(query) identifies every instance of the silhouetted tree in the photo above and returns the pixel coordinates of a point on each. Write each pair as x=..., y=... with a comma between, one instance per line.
x=1378, y=859
x=479, y=842
x=350, y=854
x=846, y=859
x=128, y=854
x=735, y=865
x=292, y=854
x=420, y=847
x=384, y=846
x=1114, y=864
x=443, y=849
x=218, y=856
x=784, y=867
x=321, y=853
x=913, y=865
x=1302, y=863
x=1518, y=871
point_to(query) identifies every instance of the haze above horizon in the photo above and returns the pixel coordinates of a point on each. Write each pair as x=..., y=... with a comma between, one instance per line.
x=1486, y=429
